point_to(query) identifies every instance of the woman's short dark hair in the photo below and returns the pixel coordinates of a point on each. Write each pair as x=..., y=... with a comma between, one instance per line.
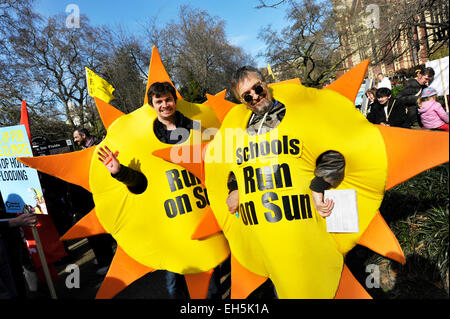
x=159, y=89
x=425, y=70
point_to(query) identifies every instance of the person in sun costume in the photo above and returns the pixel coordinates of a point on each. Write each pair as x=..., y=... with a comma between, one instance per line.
x=278, y=233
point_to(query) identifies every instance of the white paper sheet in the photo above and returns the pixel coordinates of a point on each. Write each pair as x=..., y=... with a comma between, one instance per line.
x=344, y=216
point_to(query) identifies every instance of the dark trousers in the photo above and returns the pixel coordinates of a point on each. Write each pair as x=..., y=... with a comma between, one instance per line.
x=102, y=247
x=7, y=286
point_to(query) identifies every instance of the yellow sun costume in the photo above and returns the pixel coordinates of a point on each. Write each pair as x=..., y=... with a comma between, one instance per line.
x=152, y=229
x=278, y=233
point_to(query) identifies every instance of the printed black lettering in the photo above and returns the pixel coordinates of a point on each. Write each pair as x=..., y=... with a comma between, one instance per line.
x=287, y=207
x=243, y=214
x=175, y=183
x=264, y=178
x=276, y=147
x=239, y=156
x=251, y=213
x=183, y=203
x=265, y=148
x=304, y=201
x=285, y=144
x=275, y=215
x=171, y=208
x=189, y=178
x=249, y=179
x=245, y=151
x=286, y=174
x=198, y=193
x=254, y=150
x=295, y=149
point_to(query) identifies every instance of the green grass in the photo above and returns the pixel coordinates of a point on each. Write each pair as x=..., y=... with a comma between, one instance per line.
x=417, y=211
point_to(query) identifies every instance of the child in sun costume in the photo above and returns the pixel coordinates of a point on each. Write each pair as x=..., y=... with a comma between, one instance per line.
x=293, y=249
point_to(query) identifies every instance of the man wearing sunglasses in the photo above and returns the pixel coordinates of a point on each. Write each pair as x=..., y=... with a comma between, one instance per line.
x=249, y=87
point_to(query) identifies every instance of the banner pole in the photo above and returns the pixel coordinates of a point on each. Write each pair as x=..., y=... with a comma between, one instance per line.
x=40, y=250
x=443, y=85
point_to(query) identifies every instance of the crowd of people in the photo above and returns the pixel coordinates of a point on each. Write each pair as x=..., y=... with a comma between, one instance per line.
x=414, y=106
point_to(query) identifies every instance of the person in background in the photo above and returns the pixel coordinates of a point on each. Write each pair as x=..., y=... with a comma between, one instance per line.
x=386, y=111
x=431, y=112
x=383, y=82
x=83, y=203
x=412, y=91
x=9, y=281
x=83, y=138
x=371, y=96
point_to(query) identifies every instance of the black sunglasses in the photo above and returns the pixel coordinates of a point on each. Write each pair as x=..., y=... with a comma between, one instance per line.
x=258, y=90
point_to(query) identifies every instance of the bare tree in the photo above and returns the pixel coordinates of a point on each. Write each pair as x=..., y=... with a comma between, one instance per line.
x=421, y=24
x=308, y=47
x=197, y=53
x=54, y=58
x=124, y=70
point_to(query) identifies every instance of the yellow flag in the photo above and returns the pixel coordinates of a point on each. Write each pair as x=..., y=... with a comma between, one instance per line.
x=269, y=70
x=98, y=87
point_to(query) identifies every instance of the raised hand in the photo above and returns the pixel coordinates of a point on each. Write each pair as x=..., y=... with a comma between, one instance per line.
x=109, y=159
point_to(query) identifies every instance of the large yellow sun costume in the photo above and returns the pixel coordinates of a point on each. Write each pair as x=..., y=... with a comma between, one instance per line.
x=277, y=234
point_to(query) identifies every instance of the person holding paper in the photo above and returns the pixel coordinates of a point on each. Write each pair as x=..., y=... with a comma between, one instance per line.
x=250, y=88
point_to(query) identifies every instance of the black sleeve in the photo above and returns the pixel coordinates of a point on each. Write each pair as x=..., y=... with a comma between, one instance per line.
x=134, y=180
x=329, y=172
x=232, y=183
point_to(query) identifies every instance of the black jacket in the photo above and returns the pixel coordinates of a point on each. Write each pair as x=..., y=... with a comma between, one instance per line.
x=396, y=114
x=410, y=93
x=179, y=135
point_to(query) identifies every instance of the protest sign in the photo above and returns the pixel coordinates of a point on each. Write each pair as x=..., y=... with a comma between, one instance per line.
x=19, y=184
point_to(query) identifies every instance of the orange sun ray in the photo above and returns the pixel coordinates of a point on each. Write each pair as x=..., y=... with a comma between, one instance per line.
x=379, y=238
x=349, y=83
x=349, y=287
x=123, y=271
x=193, y=164
x=198, y=284
x=62, y=166
x=243, y=281
x=157, y=73
x=411, y=152
x=107, y=112
x=89, y=225
x=219, y=105
x=208, y=226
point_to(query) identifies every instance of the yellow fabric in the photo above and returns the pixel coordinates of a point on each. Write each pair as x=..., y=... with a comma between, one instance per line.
x=99, y=87
x=140, y=223
x=300, y=257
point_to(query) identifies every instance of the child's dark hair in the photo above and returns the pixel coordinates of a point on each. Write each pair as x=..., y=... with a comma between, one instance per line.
x=158, y=89
x=382, y=92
